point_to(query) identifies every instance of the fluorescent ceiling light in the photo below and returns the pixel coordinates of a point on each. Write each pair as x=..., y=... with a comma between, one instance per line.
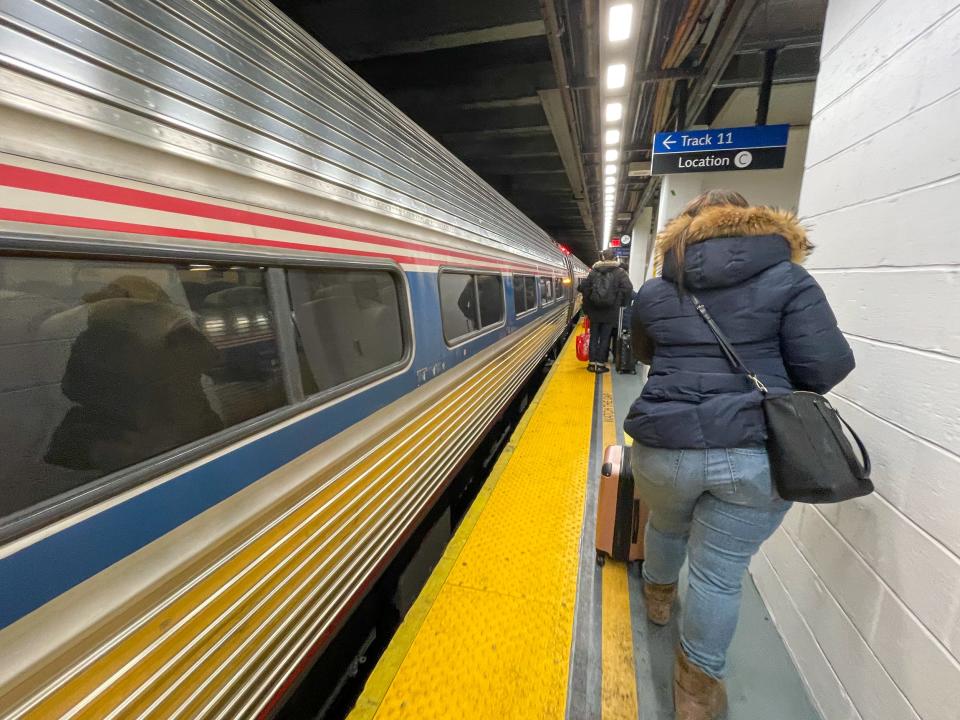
x=610, y=169
x=611, y=137
x=609, y=181
x=614, y=111
x=611, y=155
x=616, y=76
x=618, y=27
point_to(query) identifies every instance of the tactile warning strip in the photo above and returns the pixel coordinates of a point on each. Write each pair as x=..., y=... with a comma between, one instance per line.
x=490, y=635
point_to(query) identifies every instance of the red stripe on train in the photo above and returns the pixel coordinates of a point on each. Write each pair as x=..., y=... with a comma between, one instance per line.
x=41, y=218
x=41, y=181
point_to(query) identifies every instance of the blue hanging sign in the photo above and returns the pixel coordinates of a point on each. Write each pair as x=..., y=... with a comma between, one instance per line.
x=756, y=147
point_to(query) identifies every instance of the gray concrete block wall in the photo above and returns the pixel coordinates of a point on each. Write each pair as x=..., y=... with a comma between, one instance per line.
x=867, y=593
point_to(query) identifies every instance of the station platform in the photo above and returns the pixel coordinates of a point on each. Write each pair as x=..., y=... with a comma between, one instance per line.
x=518, y=621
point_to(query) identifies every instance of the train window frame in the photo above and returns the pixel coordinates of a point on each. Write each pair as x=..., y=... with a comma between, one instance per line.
x=167, y=465
x=513, y=281
x=545, y=302
x=460, y=340
x=399, y=279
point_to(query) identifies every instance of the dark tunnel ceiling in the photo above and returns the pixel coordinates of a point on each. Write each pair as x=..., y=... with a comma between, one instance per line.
x=470, y=73
x=481, y=76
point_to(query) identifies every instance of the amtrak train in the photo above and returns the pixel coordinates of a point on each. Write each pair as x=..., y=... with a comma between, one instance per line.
x=252, y=319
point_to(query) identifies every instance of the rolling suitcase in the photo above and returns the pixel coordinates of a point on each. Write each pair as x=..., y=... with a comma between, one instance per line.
x=623, y=358
x=621, y=515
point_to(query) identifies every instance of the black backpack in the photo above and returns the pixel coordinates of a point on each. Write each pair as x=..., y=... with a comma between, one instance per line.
x=603, y=290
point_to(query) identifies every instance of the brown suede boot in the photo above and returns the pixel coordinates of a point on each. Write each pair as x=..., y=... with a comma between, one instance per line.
x=659, y=600
x=696, y=695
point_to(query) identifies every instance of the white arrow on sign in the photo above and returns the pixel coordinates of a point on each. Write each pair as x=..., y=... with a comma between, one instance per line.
x=668, y=141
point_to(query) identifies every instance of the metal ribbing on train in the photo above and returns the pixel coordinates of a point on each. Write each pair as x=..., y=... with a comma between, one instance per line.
x=240, y=84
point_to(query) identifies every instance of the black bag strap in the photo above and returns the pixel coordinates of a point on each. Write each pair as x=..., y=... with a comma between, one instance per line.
x=731, y=354
x=861, y=470
x=725, y=346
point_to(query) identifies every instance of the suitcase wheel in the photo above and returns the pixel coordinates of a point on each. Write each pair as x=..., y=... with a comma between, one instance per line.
x=601, y=557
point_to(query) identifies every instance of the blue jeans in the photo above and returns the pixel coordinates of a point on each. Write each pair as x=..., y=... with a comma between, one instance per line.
x=718, y=506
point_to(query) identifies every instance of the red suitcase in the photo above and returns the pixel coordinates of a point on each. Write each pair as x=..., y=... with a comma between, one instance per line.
x=621, y=515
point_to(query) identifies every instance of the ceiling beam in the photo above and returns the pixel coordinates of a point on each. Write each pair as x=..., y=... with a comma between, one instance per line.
x=525, y=101
x=528, y=131
x=444, y=41
x=722, y=50
x=724, y=47
x=559, y=108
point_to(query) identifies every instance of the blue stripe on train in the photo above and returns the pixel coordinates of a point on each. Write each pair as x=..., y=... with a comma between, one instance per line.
x=51, y=566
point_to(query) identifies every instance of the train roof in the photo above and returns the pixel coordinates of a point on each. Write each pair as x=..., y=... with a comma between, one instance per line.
x=240, y=85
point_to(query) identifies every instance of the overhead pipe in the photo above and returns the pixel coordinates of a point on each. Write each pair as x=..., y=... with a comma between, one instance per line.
x=766, y=84
x=548, y=9
x=719, y=56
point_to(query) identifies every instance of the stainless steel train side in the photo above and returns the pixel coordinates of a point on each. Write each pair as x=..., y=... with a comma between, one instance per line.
x=201, y=181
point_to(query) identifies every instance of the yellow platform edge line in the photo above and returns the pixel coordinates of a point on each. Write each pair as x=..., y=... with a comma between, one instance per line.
x=377, y=685
x=618, y=677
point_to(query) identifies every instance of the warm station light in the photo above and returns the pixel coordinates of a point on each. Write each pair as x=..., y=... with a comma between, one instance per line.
x=616, y=76
x=618, y=28
x=609, y=181
x=614, y=111
x=611, y=155
x=610, y=169
x=612, y=137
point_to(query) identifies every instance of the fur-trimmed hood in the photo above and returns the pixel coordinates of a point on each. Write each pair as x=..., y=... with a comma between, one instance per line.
x=606, y=265
x=721, y=221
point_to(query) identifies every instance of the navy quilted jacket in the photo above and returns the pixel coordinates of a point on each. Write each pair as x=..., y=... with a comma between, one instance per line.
x=742, y=263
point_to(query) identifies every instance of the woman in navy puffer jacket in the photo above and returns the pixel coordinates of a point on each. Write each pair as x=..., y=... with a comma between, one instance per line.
x=699, y=458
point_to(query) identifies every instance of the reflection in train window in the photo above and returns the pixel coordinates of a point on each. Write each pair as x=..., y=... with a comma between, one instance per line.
x=469, y=302
x=104, y=364
x=530, y=287
x=348, y=324
x=546, y=291
x=490, y=292
x=524, y=293
x=458, y=305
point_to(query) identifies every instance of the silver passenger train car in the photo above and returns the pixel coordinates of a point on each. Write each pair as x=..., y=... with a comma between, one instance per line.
x=252, y=320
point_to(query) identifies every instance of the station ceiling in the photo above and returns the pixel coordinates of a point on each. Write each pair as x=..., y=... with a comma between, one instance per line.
x=512, y=86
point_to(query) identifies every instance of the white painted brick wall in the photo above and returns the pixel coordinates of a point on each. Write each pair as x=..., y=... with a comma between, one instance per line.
x=867, y=593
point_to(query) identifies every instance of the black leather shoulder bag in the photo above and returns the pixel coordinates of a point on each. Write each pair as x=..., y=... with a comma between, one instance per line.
x=811, y=459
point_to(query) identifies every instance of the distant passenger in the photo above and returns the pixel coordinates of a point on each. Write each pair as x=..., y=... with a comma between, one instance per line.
x=605, y=290
x=699, y=458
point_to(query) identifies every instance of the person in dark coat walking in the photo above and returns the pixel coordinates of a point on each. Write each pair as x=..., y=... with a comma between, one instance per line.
x=605, y=290
x=699, y=458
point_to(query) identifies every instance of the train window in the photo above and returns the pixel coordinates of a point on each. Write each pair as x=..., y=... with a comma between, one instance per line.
x=490, y=293
x=458, y=305
x=105, y=364
x=469, y=302
x=519, y=304
x=546, y=291
x=349, y=324
x=524, y=293
x=558, y=291
x=530, y=288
